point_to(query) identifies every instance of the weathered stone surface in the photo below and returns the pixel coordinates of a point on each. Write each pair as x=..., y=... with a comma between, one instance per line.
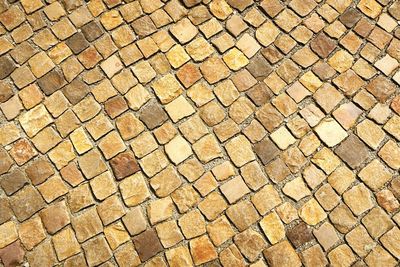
x=202, y=250
x=300, y=234
x=165, y=182
x=326, y=235
x=124, y=164
x=312, y=213
x=19, y=202
x=35, y=120
x=7, y=66
x=214, y=70
x=250, y=244
x=80, y=197
x=97, y=251
x=272, y=227
x=147, y=244
x=211, y=119
x=55, y=217
x=282, y=254
x=323, y=45
x=353, y=151
x=13, y=254
x=8, y=233
x=243, y=214
x=134, y=190
x=65, y=244
x=159, y=210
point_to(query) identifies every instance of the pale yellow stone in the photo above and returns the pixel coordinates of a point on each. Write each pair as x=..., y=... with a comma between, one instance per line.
x=207, y=148
x=390, y=153
x=8, y=133
x=154, y=162
x=144, y=144
x=310, y=81
x=178, y=149
x=200, y=94
x=287, y=212
x=167, y=88
x=35, y=119
x=46, y=139
x=341, y=256
x=206, y=184
x=266, y=199
x=358, y=199
x=273, y=228
x=341, y=61
x=387, y=64
x=250, y=243
x=234, y=189
x=159, y=210
x=223, y=171
x=127, y=256
x=128, y=125
x=179, y=257
x=116, y=235
x=311, y=212
x=296, y=189
x=87, y=108
x=179, y=108
x=282, y=138
x=40, y=64
x=371, y=8
x=111, y=19
x=235, y=59
x=330, y=132
x=387, y=22
x=177, y=56
x=134, y=189
x=144, y=72
x=169, y=233
x=239, y=150
x=103, y=91
x=165, y=182
x=103, y=185
x=375, y=175
x=326, y=160
x=370, y=133
x=137, y=97
x=31, y=232
x=65, y=243
x=53, y=188
x=393, y=127
x=267, y=33
x=211, y=27
x=80, y=141
x=60, y=52
x=165, y=133
x=62, y=154
x=220, y=230
x=8, y=233
x=226, y=92
x=199, y=49
x=184, y=30
x=220, y=9
x=111, y=145
x=57, y=103
x=185, y=197
x=193, y=128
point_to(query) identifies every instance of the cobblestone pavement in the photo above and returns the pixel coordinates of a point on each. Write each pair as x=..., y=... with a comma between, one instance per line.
x=188, y=132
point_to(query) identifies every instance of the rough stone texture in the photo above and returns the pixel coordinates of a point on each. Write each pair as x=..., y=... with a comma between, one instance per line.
x=189, y=132
x=147, y=244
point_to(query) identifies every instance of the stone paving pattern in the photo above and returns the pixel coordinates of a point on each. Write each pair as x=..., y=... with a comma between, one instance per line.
x=199, y=132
